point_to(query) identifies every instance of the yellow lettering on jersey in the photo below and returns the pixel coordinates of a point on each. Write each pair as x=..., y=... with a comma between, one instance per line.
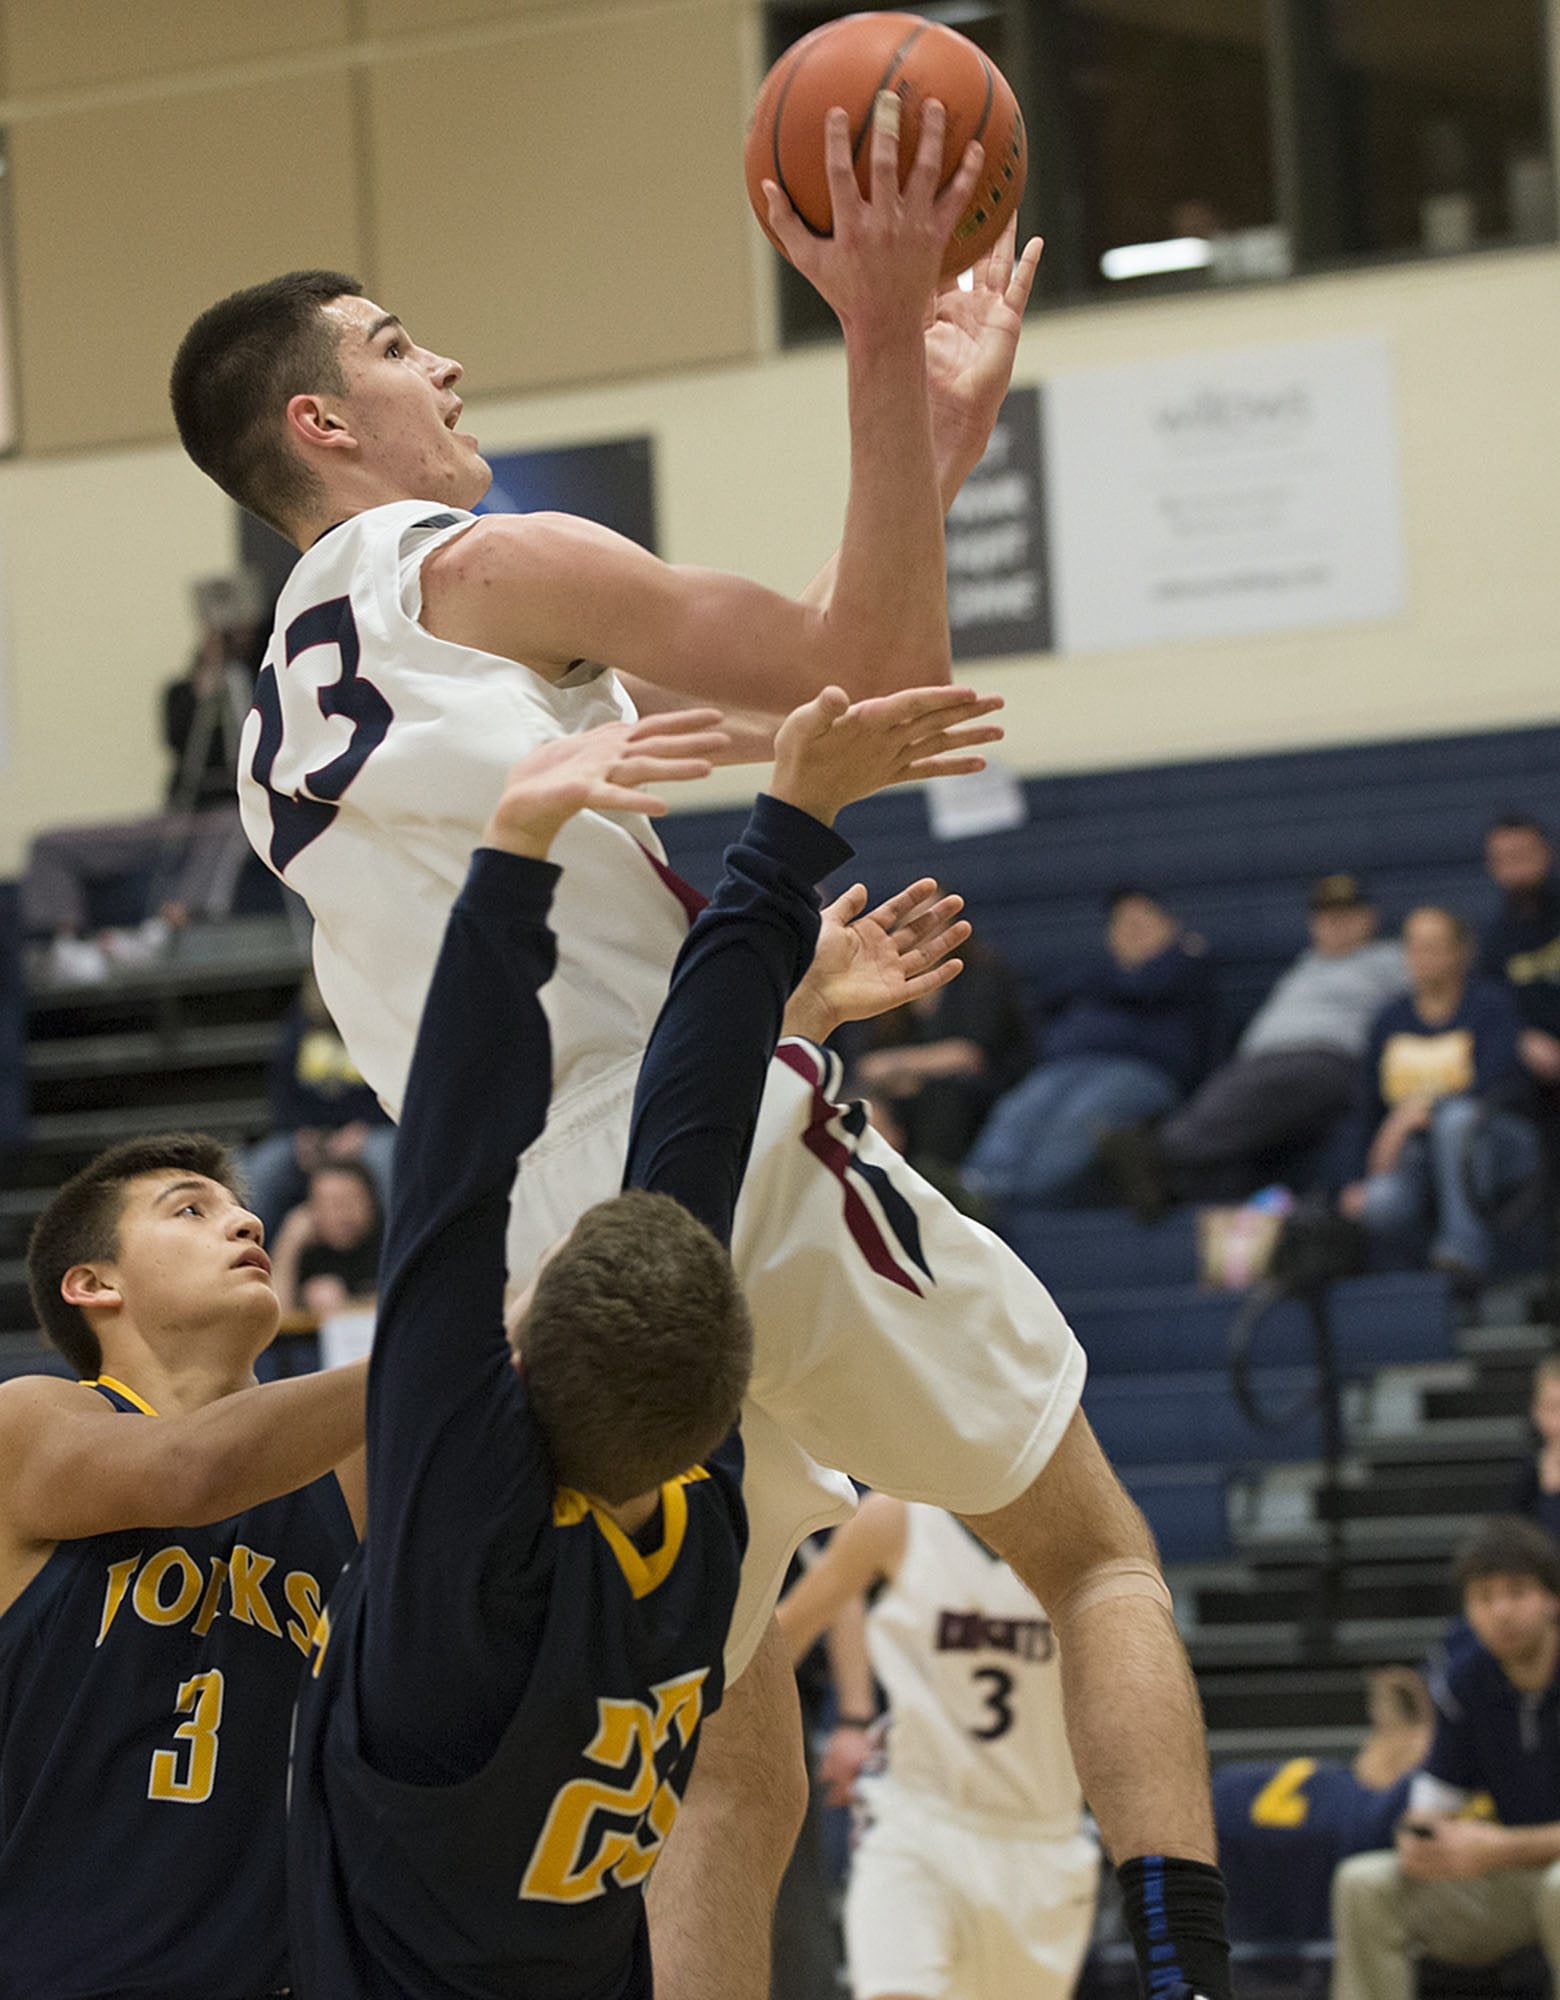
x=303, y=1596
x=119, y=1575
x=246, y=1599
x=321, y=1641
x=210, y=1604
x=576, y=1851
x=148, y=1598
x=1282, y=1800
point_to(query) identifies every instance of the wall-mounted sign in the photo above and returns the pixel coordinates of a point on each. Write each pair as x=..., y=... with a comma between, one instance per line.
x=1241, y=492
x=998, y=600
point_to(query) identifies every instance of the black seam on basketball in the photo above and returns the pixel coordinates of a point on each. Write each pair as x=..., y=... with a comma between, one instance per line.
x=774, y=142
x=895, y=62
x=985, y=109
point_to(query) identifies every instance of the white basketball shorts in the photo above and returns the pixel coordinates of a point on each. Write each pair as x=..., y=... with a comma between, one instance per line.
x=947, y=1907
x=895, y=1339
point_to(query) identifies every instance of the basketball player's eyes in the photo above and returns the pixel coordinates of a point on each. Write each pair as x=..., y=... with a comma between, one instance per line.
x=393, y=351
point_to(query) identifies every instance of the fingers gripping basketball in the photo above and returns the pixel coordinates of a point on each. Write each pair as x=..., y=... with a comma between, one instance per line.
x=848, y=63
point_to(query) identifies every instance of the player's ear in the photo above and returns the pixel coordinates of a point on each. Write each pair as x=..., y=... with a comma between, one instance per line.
x=313, y=422
x=90, y=1287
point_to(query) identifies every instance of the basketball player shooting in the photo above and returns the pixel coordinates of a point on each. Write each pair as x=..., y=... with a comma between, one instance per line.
x=418, y=651
x=512, y=1675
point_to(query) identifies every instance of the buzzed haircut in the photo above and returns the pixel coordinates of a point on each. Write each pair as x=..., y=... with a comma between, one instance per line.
x=81, y=1226
x=1508, y=1545
x=637, y=1347
x=1515, y=822
x=234, y=373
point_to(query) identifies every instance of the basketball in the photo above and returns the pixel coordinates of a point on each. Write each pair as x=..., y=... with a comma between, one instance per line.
x=847, y=63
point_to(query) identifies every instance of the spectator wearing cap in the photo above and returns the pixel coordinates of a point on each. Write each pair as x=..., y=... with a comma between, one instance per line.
x=1447, y=1105
x=1294, y=1074
x=1521, y=942
x=1129, y=1040
x=1461, y=1889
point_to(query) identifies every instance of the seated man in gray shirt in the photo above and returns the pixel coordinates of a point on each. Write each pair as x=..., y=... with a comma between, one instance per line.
x=1295, y=1070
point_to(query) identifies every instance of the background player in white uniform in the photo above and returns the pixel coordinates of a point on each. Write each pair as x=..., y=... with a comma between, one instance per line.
x=894, y=1338
x=972, y=1875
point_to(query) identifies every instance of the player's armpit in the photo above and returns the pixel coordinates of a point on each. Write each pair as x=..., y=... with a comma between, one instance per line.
x=352, y=1478
x=869, y=1546
x=73, y=1466
x=549, y=589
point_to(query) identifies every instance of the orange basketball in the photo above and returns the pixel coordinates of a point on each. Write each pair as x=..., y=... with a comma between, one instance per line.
x=847, y=63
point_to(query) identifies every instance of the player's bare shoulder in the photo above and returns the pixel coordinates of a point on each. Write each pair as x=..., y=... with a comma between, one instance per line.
x=528, y=587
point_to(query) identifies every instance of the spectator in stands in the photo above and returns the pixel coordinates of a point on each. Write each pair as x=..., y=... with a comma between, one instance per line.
x=193, y=850
x=1537, y=1493
x=933, y=1068
x=1129, y=1041
x=1294, y=1074
x=1447, y=1104
x=1284, y=1827
x=1454, y=1888
x=326, y=1254
x=1521, y=942
x=321, y=1111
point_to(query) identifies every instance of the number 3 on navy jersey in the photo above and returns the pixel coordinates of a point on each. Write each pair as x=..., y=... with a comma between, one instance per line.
x=201, y=1699
x=301, y=816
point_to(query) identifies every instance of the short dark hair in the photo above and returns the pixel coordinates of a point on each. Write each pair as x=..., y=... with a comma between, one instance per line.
x=637, y=1347
x=81, y=1225
x=232, y=377
x=1516, y=822
x=1508, y=1545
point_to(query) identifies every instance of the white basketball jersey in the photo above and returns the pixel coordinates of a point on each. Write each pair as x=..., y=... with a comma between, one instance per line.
x=968, y=1661
x=369, y=764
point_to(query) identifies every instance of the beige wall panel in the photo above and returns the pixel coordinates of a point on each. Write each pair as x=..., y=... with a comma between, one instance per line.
x=549, y=215
x=131, y=218
x=427, y=17
x=62, y=44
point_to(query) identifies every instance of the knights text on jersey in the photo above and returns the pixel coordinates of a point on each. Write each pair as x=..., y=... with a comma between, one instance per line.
x=147, y=1682
x=370, y=762
x=528, y=1876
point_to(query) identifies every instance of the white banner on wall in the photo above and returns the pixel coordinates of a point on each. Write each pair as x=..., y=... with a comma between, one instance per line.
x=1219, y=494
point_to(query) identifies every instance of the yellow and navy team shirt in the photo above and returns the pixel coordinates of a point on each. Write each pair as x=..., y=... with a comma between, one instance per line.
x=147, y=1683
x=505, y=1706
x=1473, y=1052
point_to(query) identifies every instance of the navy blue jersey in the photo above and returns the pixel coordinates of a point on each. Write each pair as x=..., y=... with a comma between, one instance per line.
x=504, y=1710
x=1491, y=1736
x=147, y=1682
x=1283, y=1829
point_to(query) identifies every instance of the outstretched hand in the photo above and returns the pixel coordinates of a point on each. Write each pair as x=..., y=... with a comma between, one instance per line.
x=600, y=771
x=831, y=751
x=971, y=342
x=869, y=962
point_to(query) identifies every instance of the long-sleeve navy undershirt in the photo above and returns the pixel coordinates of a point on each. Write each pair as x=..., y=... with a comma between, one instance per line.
x=460, y=1488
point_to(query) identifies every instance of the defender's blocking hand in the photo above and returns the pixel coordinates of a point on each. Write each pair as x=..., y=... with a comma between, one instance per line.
x=829, y=751
x=869, y=964
x=599, y=771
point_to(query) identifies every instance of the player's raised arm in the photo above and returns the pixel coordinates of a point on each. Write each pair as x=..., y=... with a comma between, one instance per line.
x=870, y=1546
x=694, y=1115
x=71, y=1469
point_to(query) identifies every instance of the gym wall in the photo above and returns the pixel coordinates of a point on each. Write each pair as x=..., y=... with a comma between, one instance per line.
x=551, y=189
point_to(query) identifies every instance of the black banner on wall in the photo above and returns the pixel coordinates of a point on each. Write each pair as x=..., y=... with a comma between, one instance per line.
x=999, y=599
